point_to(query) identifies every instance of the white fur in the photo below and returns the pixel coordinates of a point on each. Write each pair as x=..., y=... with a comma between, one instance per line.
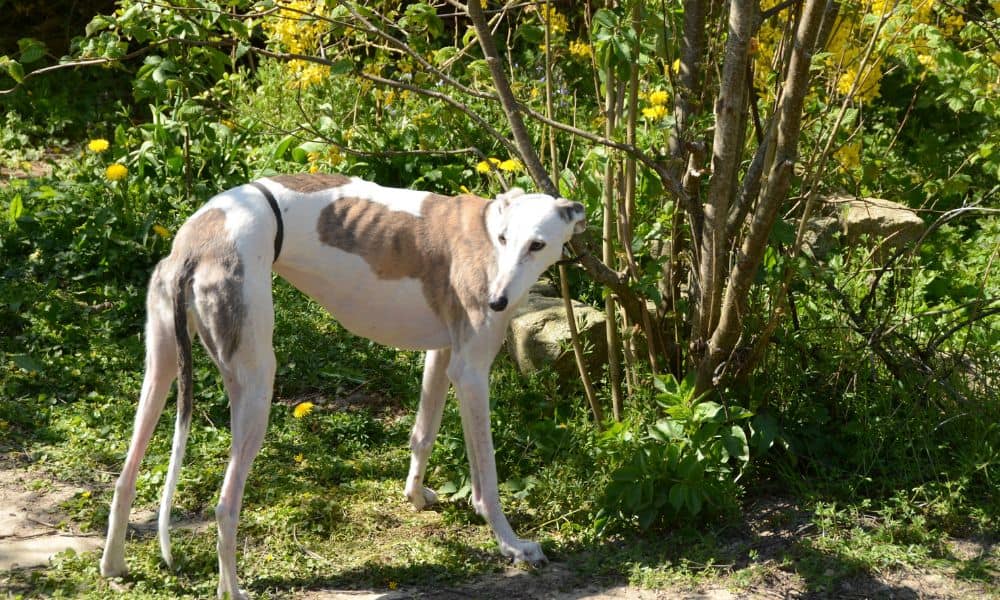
x=393, y=312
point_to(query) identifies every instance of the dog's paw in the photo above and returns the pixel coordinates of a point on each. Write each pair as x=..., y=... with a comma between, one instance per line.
x=227, y=595
x=422, y=498
x=113, y=567
x=523, y=551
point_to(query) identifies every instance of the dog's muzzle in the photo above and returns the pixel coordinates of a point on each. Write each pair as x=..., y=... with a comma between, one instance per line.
x=499, y=304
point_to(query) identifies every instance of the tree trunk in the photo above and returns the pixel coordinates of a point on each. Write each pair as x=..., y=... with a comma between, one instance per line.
x=779, y=178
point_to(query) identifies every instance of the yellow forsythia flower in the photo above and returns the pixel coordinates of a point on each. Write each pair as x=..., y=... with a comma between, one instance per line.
x=580, y=50
x=556, y=21
x=849, y=156
x=116, y=172
x=99, y=145
x=302, y=409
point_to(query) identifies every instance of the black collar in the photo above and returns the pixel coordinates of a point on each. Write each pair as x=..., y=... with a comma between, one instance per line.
x=280, y=235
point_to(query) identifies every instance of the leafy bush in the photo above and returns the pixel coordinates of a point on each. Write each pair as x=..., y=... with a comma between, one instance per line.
x=689, y=463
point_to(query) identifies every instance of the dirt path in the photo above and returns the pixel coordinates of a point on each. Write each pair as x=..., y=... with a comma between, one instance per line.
x=35, y=525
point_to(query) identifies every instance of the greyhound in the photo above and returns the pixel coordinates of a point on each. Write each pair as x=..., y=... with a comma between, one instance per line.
x=404, y=268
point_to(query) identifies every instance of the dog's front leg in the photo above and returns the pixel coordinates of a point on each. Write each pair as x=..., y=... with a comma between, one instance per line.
x=433, y=393
x=472, y=385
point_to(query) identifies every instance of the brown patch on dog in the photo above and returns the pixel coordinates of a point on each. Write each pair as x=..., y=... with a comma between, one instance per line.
x=203, y=252
x=447, y=248
x=306, y=183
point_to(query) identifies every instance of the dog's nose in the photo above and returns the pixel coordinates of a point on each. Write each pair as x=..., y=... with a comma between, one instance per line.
x=499, y=304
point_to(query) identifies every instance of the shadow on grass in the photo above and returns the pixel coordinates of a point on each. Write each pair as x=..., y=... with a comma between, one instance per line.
x=769, y=552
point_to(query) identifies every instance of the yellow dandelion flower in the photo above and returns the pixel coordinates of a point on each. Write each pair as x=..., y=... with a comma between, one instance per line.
x=658, y=98
x=511, y=165
x=464, y=189
x=676, y=66
x=657, y=111
x=302, y=409
x=116, y=172
x=161, y=231
x=99, y=145
x=485, y=166
x=299, y=458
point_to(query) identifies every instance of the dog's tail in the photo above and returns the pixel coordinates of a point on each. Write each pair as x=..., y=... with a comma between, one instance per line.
x=185, y=404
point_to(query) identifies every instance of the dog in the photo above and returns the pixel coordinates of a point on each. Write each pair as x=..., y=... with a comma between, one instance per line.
x=404, y=268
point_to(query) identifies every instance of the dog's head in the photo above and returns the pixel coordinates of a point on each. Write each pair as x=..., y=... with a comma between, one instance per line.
x=528, y=232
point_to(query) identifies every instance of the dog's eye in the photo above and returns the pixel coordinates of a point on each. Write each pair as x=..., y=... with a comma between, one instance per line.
x=536, y=246
x=502, y=239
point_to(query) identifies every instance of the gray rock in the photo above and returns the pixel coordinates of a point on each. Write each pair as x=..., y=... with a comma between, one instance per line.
x=883, y=222
x=539, y=337
x=820, y=236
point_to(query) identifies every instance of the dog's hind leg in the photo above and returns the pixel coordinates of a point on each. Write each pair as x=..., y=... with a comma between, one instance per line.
x=433, y=392
x=249, y=378
x=161, y=369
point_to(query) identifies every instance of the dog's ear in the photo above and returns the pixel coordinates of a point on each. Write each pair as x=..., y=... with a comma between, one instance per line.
x=573, y=212
x=509, y=195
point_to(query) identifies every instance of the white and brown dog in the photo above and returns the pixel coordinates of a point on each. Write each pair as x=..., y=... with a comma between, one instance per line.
x=404, y=268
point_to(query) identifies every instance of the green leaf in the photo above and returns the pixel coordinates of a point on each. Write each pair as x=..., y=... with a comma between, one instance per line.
x=694, y=500
x=605, y=18
x=763, y=431
x=341, y=67
x=783, y=232
x=31, y=50
x=26, y=362
x=16, y=208
x=708, y=411
x=646, y=517
x=282, y=148
x=736, y=443
x=678, y=492
x=97, y=24
x=16, y=71
x=667, y=429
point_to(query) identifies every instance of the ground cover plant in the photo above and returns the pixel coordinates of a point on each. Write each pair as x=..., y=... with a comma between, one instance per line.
x=857, y=386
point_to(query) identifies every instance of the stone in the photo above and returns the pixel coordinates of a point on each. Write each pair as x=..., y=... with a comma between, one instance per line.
x=539, y=337
x=820, y=236
x=889, y=224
